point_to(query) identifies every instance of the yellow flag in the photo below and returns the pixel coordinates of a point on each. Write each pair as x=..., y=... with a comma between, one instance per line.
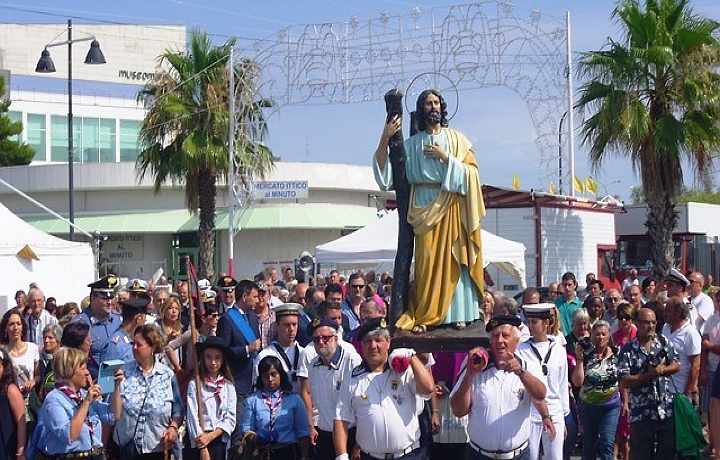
x=591, y=185
x=552, y=189
x=516, y=182
x=579, y=186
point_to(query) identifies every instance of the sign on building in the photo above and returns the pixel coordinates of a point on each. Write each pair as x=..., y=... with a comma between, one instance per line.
x=123, y=248
x=280, y=190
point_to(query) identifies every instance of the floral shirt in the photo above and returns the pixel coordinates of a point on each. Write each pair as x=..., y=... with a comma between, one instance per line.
x=601, y=379
x=654, y=399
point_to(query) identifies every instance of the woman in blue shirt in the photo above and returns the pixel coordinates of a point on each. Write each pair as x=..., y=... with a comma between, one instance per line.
x=274, y=416
x=70, y=419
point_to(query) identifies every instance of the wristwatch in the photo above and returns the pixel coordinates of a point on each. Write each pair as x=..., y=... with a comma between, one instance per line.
x=546, y=417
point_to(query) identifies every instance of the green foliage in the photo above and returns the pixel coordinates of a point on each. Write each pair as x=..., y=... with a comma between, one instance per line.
x=686, y=196
x=12, y=153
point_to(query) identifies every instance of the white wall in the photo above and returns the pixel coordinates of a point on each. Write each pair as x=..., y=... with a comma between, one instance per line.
x=703, y=218
x=569, y=240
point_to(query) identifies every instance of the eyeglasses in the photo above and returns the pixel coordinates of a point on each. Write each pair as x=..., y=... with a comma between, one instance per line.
x=231, y=290
x=358, y=286
x=624, y=318
x=322, y=338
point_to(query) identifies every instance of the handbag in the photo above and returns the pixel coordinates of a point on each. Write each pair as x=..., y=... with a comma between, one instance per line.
x=128, y=450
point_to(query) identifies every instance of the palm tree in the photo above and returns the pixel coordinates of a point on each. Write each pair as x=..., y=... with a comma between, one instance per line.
x=183, y=138
x=655, y=98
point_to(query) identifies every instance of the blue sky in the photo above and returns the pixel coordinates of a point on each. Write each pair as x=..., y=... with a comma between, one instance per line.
x=495, y=119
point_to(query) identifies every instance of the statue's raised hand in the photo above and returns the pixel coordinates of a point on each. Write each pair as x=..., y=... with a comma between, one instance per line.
x=391, y=127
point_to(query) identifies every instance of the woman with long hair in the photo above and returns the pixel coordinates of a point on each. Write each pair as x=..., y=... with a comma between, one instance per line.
x=170, y=318
x=274, y=417
x=13, y=430
x=217, y=394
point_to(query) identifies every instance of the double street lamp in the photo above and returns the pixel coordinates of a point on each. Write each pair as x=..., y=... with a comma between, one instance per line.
x=46, y=65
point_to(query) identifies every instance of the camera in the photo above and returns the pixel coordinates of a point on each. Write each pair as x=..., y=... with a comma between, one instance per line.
x=587, y=345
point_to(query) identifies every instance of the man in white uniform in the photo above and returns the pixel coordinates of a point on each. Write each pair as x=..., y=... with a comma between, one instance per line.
x=702, y=302
x=382, y=398
x=552, y=359
x=498, y=392
x=285, y=348
x=330, y=366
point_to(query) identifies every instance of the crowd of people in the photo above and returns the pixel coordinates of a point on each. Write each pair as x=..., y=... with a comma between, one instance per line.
x=288, y=369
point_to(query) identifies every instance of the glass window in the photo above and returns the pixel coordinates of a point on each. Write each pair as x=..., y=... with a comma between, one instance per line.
x=90, y=138
x=15, y=116
x=106, y=140
x=59, y=138
x=36, y=135
x=129, y=130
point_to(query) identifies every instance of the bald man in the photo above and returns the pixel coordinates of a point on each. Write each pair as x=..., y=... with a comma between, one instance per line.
x=703, y=306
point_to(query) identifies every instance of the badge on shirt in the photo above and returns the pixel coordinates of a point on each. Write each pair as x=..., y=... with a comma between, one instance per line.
x=394, y=384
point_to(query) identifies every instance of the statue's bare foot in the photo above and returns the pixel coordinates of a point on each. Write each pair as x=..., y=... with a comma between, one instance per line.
x=419, y=329
x=460, y=325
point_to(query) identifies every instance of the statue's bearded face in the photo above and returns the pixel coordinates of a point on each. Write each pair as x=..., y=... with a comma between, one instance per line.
x=432, y=109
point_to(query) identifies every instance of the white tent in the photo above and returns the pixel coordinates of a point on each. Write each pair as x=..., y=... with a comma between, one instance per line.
x=62, y=269
x=377, y=243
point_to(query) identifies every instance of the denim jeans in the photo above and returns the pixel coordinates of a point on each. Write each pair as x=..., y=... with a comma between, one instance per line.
x=599, y=427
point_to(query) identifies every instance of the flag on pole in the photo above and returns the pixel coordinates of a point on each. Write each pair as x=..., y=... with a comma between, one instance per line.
x=552, y=189
x=591, y=185
x=579, y=186
x=516, y=182
x=193, y=286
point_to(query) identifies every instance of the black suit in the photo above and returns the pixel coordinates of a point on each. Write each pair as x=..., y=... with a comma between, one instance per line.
x=241, y=362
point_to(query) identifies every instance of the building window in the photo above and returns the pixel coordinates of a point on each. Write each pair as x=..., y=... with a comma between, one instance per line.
x=129, y=131
x=106, y=141
x=35, y=130
x=59, y=138
x=90, y=137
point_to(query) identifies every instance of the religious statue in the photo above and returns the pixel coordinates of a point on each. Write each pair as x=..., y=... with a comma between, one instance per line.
x=445, y=209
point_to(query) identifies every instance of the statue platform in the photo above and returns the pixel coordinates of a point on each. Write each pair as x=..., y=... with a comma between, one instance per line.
x=445, y=338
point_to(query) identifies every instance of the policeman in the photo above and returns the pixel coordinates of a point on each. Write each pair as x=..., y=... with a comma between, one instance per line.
x=137, y=287
x=382, y=398
x=226, y=286
x=551, y=358
x=285, y=347
x=99, y=316
x=498, y=395
x=331, y=365
x=133, y=315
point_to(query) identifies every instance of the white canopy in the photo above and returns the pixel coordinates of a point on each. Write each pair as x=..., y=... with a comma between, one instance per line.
x=377, y=243
x=62, y=269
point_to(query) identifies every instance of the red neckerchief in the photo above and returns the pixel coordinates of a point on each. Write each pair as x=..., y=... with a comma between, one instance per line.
x=216, y=386
x=77, y=398
x=273, y=401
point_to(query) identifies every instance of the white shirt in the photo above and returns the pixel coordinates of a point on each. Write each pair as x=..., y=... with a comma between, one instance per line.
x=215, y=415
x=627, y=282
x=704, y=309
x=326, y=381
x=687, y=343
x=556, y=380
x=40, y=324
x=712, y=331
x=500, y=409
x=387, y=404
x=25, y=365
x=309, y=353
x=290, y=368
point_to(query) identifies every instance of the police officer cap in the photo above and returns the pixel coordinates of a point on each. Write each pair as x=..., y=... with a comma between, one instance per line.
x=208, y=296
x=135, y=305
x=539, y=310
x=203, y=285
x=370, y=326
x=105, y=286
x=227, y=283
x=287, y=309
x=501, y=320
x=211, y=341
x=325, y=322
x=137, y=285
x=676, y=276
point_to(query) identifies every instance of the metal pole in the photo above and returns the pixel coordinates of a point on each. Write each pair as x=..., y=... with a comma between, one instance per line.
x=71, y=184
x=571, y=103
x=560, y=159
x=231, y=161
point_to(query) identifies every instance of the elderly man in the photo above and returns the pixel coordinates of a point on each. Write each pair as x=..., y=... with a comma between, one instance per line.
x=382, y=398
x=701, y=302
x=613, y=298
x=498, y=395
x=687, y=343
x=645, y=366
x=38, y=318
x=321, y=380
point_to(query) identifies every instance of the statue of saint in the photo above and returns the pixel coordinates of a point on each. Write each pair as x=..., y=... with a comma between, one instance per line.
x=445, y=210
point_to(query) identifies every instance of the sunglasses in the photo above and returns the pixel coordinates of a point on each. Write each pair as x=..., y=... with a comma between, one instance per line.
x=624, y=318
x=322, y=338
x=358, y=286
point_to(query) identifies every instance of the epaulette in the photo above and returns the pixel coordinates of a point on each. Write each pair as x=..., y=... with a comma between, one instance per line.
x=359, y=370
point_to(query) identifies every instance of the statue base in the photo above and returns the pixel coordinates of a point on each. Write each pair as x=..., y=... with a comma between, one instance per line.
x=443, y=338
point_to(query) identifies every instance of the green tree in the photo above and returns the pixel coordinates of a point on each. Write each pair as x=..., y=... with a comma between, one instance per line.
x=183, y=138
x=12, y=153
x=654, y=97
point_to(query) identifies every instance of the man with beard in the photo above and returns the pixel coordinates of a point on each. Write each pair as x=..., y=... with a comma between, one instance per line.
x=445, y=212
x=285, y=347
x=381, y=398
x=321, y=383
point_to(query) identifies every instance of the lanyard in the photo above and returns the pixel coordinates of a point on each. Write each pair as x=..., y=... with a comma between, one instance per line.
x=284, y=357
x=543, y=361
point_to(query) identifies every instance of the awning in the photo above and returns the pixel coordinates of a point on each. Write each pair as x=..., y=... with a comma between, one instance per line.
x=309, y=216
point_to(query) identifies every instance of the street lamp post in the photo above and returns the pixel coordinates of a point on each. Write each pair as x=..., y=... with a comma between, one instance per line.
x=46, y=65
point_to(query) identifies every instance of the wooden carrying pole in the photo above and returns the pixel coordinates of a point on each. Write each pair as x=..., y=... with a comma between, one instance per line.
x=193, y=337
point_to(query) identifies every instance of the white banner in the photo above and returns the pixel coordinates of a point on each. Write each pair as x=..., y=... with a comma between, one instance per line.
x=280, y=190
